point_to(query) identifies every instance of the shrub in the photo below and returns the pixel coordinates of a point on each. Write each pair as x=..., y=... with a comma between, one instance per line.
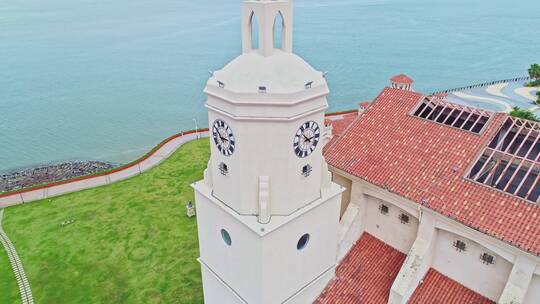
x=534, y=83
x=523, y=113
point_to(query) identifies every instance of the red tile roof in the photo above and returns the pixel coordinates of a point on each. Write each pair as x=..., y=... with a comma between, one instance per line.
x=437, y=288
x=442, y=95
x=364, y=104
x=341, y=122
x=426, y=162
x=365, y=275
x=402, y=78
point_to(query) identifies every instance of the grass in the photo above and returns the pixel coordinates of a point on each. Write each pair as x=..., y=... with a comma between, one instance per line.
x=130, y=242
x=9, y=292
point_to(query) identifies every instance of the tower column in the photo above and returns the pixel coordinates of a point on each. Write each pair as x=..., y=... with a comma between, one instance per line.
x=267, y=211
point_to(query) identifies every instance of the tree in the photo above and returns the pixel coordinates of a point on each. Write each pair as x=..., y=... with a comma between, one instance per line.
x=534, y=71
x=522, y=113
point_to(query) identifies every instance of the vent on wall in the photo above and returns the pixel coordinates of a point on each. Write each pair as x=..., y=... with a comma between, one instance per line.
x=454, y=115
x=403, y=218
x=510, y=162
x=487, y=258
x=383, y=209
x=223, y=168
x=460, y=245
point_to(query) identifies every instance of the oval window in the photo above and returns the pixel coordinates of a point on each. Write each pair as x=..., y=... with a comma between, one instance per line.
x=303, y=241
x=226, y=237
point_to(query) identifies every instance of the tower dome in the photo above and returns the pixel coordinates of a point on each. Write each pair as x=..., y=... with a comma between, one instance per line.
x=267, y=71
x=280, y=73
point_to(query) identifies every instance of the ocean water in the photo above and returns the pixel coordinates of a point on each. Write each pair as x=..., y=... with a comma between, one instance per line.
x=107, y=80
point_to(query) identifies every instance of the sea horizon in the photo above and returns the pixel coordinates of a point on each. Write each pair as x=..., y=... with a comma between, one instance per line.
x=109, y=81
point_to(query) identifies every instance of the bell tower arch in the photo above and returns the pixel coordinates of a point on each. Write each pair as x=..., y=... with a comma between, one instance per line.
x=266, y=12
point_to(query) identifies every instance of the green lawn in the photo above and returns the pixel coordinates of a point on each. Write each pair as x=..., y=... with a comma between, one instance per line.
x=130, y=243
x=9, y=293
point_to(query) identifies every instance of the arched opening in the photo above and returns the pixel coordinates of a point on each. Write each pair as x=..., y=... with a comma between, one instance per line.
x=279, y=31
x=254, y=35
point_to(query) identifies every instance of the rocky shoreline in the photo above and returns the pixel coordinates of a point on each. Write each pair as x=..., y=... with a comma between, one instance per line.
x=50, y=173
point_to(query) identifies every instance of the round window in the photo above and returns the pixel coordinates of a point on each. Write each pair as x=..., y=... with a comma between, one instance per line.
x=226, y=237
x=303, y=241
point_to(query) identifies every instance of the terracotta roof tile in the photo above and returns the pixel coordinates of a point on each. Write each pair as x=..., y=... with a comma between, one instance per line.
x=426, y=162
x=339, y=125
x=402, y=78
x=365, y=275
x=438, y=289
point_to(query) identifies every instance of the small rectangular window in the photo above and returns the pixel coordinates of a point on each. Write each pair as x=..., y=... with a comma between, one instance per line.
x=403, y=218
x=383, y=209
x=460, y=245
x=306, y=170
x=487, y=258
x=223, y=169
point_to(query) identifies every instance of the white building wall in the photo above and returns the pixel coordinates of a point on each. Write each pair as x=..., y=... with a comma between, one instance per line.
x=533, y=293
x=387, y=227
x=269, y=268
x=259, y=152
x=346, y=195
x=287, y=270
x=362, y=214
x=466, y=268
x=237, y=265
x=216, y=291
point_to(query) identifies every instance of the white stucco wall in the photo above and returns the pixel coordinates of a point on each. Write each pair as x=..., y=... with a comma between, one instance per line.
x=287, y=270
x=388, y=227
x=346, y=195
x=268, y=268
x=466, y=267
x=259, y=152
x=215, y=290
x=237, y=265
x=533, y=293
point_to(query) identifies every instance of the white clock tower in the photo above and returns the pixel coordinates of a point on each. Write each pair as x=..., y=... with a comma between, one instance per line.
x=267, y=210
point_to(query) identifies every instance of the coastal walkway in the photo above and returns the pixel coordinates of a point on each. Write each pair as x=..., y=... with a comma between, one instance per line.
x=16, y=265
x=150, y=160
x=502, y=95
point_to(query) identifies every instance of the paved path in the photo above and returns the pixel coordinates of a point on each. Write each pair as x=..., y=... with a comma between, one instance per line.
x=16, y=265
x=496, y=89
x=507, y=107
x=143, y=164
x=526, y=92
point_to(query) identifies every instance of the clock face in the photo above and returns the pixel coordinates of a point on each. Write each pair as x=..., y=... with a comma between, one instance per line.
x=306, y=139
x=223, y=137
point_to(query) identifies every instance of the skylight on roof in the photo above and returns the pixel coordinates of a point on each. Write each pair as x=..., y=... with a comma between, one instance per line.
x=510, y=162
x=454, y=115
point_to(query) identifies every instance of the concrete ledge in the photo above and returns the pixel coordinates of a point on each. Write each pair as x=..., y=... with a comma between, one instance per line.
x=10, y=200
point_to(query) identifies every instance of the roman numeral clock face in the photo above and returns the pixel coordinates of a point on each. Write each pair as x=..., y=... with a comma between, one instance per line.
x=306, y=139
x=223, y=137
